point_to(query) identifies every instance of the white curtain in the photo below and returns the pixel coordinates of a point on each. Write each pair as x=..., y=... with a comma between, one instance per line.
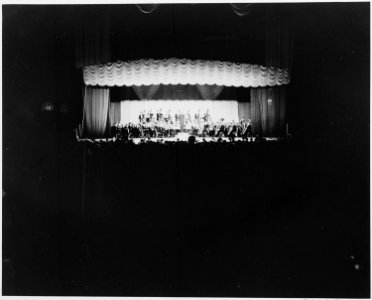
x=96, y=112
x=183, y=71
x=226, y=109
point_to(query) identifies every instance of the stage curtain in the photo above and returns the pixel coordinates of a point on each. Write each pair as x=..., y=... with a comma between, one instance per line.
x=278, y=43
x=209, y=92
x=244, y=110
x=93, y=40
x=268, y=107
x=183, y=71
x=259, y=97
x=115, y=112
x=146, y=92
x=279, y=54
x=96, y=112
x=177, y=92
x=277, y=110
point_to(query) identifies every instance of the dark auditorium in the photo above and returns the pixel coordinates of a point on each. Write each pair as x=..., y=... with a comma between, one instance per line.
x=186, y=150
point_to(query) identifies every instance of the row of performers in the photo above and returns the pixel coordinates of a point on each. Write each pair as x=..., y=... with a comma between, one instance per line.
x=221, y=129
x=179, y=117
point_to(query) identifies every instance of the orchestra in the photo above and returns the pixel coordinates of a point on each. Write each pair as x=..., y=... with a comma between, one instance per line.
x=161, y=125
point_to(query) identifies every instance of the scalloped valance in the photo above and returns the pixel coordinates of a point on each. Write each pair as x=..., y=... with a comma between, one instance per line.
x=183, y=71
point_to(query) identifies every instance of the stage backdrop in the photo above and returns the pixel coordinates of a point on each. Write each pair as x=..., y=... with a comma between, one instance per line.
x=226, y=109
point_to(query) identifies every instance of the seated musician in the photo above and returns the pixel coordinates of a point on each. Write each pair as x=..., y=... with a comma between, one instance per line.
x=221, y=130
x=159, y=115
x=247, y=131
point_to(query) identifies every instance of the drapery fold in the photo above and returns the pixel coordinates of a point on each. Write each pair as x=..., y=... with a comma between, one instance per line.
x=279, y=43
x=209, y=92
x=146, y=91
x=268, y=111
x=177, y=92
x=183, y=71
x=93, y=41
x=96, y=112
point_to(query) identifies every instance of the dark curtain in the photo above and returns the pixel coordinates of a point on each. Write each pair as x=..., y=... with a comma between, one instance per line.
x=278, y=43
x=259, y=97
x=177, y=92
x=209, y=92
x=96, y=112
x=93, y=40
x=268, y=106
x=146, y=92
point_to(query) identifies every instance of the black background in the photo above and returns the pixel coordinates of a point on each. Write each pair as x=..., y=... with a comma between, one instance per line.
x=283, y=220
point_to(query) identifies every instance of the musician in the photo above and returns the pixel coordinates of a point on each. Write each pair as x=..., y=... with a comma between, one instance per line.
x=213, y=130
x=188, y=117
x=232, y=131
x=159, y=115
x=197, y=116
x=141, y=116
x=147, y=117
x=181, y=117
x=151, y=115
x=247, y=131
x=167, y=116
x=221, y=130
x=207, y=116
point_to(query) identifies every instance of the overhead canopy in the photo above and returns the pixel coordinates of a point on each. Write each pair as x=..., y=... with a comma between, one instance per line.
x=183, y=71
